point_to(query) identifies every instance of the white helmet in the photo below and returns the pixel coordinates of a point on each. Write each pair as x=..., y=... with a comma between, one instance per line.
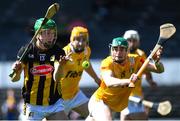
x=131, y=34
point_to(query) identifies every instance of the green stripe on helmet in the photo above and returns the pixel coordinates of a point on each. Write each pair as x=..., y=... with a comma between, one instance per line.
x=50, y=24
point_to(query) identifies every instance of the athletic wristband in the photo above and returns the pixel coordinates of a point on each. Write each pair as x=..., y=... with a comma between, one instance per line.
x=158, y=66
x=157, y=63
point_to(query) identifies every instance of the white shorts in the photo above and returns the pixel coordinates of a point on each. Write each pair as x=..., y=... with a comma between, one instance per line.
x=97, y=108
x=133, y=108
x=37, y=112
x=79, y=99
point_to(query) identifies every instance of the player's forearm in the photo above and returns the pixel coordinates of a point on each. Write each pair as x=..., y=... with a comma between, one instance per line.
x=16, y=76
x=156, y=67
x=115, y=82
x=148, y=76
x=92, y=73
x=17, y=68
x=149, y=79
x=58, y=72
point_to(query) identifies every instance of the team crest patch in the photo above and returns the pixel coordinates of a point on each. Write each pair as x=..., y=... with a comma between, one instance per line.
x=42, y=70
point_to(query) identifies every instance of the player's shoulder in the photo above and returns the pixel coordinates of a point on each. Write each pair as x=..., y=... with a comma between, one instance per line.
x=133, y=55
x=29, y=48
x=107, y=60
x=67, y=48
x=88, y=48
x=140, y=52
x=106, y=63
x=87, y=51
x=135, y=58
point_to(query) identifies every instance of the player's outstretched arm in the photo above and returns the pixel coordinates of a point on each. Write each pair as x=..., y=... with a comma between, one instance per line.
x=93, y=74
x=17, y=67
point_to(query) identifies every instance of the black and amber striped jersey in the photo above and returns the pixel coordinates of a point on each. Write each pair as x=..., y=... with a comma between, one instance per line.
x=39, y=86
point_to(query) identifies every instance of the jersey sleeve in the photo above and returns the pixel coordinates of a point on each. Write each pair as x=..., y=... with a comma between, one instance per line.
x=21, y=52
x=141, y=53
x=59, y=52
x=144, y=56
x=88, y=53
x=140, y=61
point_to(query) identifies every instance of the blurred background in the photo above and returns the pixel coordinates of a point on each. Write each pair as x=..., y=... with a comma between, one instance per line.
x=105, y=20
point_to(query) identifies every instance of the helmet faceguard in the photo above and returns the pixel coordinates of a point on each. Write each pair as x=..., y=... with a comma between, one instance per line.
x=82, y=36
x=131, y=34
x=48, y=33
x=133, y=38
x=119, y=49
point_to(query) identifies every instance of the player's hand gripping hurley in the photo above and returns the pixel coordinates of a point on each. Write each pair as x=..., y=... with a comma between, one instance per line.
x=166, y=31
x=52, y=10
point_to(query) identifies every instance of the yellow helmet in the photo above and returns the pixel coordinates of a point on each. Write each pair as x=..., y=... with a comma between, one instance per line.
x=77, y=31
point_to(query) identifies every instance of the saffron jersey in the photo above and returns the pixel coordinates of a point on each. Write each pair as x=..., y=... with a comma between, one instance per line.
x=117, y=97
x=73, y=72
x=137, y=91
